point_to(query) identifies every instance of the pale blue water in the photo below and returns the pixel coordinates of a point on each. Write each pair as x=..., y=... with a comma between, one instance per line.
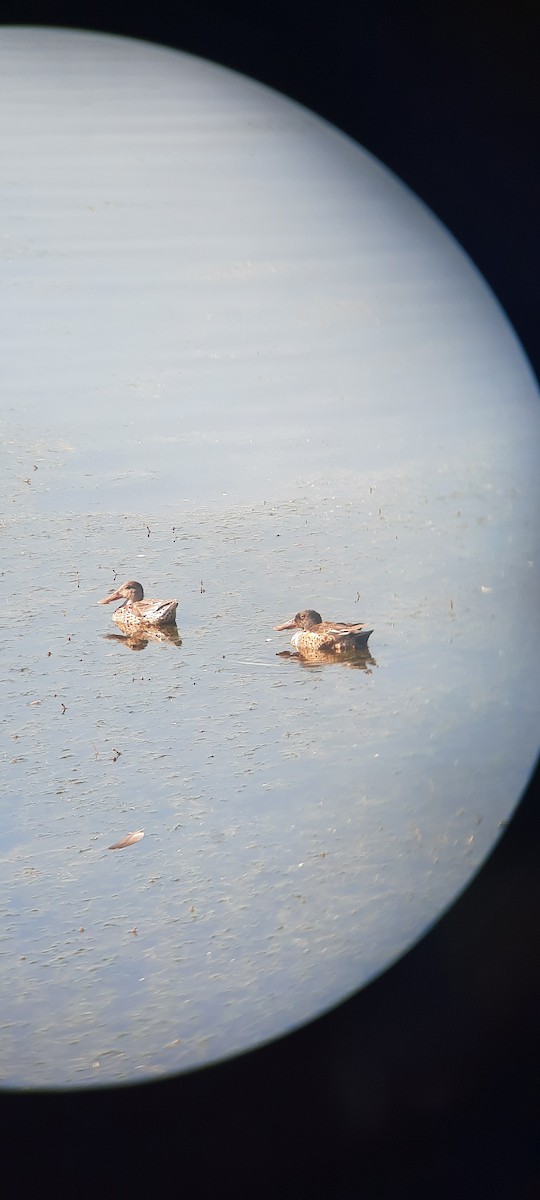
x=302, y=824
x=245, y=367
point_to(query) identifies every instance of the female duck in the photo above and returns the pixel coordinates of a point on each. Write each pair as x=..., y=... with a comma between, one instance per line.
x=136, y=612
x=313, y=634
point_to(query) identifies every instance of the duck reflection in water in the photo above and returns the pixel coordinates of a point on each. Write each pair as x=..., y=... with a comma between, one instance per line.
x=356, y=660
x=140, y=640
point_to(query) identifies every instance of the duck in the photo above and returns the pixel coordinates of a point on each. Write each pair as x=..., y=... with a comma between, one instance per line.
x=314, y=635
x=136, y=612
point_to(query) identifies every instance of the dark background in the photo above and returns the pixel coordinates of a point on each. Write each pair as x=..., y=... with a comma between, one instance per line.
x=426, y=1083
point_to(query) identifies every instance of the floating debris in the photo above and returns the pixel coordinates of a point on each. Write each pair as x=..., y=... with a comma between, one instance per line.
x=129, y=840
x=485, y=589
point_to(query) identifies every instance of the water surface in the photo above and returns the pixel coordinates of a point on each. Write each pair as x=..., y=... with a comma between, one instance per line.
x=244, y=366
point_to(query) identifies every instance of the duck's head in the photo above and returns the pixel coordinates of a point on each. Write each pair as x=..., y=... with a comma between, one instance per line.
x=307, y=619
x=129, y=592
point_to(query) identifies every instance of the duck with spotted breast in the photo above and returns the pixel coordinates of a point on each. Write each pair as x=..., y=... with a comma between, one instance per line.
x=314, y=635
x=135, y=612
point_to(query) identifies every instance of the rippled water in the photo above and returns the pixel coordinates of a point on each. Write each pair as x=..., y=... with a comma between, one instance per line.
x=302, y=823
x=244, y=366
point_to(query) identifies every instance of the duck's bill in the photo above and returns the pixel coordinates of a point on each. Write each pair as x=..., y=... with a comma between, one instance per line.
x=286, y=625
x=113, y=596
